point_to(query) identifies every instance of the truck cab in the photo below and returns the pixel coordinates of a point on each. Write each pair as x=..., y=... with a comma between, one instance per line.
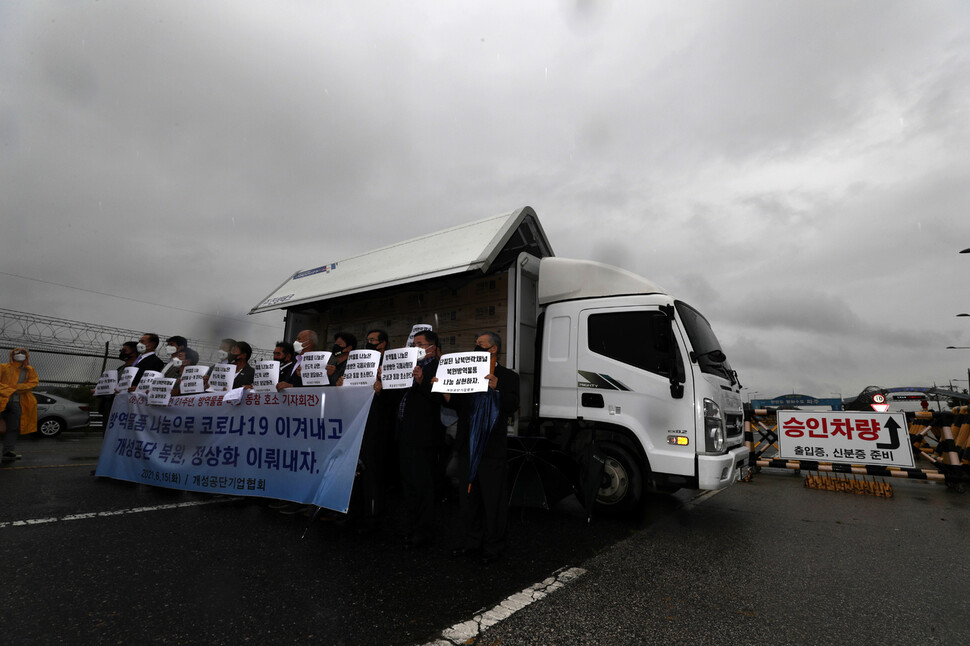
x=625, y=366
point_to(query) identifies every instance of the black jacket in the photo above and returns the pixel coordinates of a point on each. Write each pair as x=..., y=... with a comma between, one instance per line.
x=244, y=377
x=421, y=422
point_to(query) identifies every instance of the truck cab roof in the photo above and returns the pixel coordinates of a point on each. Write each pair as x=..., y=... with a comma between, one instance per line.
x=562, y=279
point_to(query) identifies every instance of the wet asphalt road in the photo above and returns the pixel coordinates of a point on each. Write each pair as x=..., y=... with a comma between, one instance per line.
x=771, y=562
x=231, y=571
x=762, y=562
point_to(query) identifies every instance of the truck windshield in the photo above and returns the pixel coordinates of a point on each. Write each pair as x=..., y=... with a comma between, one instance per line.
x=703, y=341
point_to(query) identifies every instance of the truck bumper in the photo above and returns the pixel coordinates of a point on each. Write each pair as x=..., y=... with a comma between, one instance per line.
x=719, y=471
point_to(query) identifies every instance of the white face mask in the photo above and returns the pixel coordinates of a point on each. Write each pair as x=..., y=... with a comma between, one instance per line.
x=222, y=355
x=171, y=349
x=422, y=353
x=141, y=347
x=297, y=347
x=20, y=357
x=176, y=362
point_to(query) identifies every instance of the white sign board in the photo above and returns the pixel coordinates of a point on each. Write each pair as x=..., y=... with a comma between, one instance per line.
x=223, y=374
x=107, y=383
x=840, y=436
x=362, y=368
x=313, y=368
x=267, y=376
x=397, y=371
x=160, y=392
x=416, y=330
x=146, y=380
x=462, y=372
x=126, y=377
x=192, y=381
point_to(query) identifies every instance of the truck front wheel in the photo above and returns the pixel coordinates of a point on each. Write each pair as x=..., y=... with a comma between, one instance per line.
x=622, y=482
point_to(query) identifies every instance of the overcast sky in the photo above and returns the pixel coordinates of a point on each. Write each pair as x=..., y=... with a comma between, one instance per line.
x=798, y=171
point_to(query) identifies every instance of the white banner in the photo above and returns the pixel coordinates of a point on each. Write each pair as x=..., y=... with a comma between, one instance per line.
x=107, y=383
x=841, y=436
x=397, y=371
x=362, y=368
x=223, y=374
x=462, y=372
x=192, y=381
x=313, y=368
x=267, y=376
x=291, y=445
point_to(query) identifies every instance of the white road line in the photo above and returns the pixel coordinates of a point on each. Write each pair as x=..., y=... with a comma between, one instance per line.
x=467, y=631
x=104, y=514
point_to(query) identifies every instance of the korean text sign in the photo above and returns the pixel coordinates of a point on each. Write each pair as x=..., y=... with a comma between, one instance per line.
x=462, y=372
x=839, y=436
x=397, y=371
x=107, y=383
x=295, y=445
x=362, y=368
x=313, y=368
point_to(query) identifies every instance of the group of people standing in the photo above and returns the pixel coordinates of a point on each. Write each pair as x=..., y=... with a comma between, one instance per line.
x=404, y=441
x=142, y=354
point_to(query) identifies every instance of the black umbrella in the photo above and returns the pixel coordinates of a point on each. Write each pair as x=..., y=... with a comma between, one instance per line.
x=540, y=475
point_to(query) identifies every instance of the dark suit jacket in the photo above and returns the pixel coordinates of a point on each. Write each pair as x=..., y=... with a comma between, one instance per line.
x=151, y=362
x=286, y=372
x=244, y=377
x=421, y=423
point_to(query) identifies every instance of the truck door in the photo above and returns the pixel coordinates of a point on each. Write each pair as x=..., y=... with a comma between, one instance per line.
x=625, y=360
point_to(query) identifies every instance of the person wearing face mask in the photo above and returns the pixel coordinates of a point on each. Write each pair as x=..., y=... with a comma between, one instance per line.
x=147, y=359
x=343, y=344
x=306, y=341
x=283, y=352
x=245, y=373
x=17, y=403
x=127, y=354
x=483, y=502
x=222, y=354
x=175, y=344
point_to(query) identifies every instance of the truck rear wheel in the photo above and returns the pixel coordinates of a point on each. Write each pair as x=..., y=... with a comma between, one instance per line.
x=622, y=482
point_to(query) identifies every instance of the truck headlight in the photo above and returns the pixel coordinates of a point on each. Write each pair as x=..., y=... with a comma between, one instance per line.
x=713, y=426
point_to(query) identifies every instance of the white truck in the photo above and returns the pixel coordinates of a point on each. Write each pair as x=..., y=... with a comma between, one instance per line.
x=604, y=355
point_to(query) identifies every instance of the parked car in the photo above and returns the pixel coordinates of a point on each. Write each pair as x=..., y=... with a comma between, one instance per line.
x=56, y=414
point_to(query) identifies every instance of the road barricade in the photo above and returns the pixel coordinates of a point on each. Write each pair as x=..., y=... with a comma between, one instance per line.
x=940, y=443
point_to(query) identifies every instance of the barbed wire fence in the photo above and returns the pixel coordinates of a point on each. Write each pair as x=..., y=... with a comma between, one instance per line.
x=71, y=353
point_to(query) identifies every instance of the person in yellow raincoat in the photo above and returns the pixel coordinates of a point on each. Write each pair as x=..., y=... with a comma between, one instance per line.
x=19, y=408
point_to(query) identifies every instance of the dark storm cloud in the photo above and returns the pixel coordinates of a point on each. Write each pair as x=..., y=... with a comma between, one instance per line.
x=794, y=170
